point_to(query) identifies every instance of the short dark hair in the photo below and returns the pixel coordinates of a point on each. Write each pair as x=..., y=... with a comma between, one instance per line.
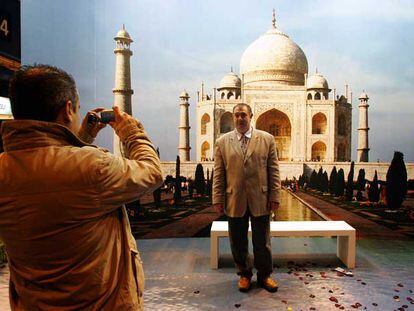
x=244, y=105
x=38, y=92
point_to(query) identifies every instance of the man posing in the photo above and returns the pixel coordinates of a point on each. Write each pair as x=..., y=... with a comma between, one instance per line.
x=246, y=185
x=68, y=240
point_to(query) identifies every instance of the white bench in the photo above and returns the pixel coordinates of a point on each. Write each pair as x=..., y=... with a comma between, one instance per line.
x=345, y=242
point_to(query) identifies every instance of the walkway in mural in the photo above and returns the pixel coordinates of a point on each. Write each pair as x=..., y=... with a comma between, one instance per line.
x=194, y=216
x=372, y=222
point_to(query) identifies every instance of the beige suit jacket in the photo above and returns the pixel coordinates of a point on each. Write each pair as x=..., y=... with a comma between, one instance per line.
x=250, y=180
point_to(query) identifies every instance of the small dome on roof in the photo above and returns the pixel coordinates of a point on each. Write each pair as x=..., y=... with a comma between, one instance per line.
x=230, y=80
x=317, y=81
x=184, y=94
x=123, y=34
x=363, y=95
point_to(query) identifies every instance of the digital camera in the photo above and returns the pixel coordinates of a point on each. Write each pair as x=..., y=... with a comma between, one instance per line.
x=105, y=116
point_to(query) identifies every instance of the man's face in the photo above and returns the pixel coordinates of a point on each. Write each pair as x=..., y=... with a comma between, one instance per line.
x=242, y=118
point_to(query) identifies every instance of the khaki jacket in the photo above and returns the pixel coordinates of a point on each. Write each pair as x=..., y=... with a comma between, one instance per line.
x=246, y=181
x=67, y=236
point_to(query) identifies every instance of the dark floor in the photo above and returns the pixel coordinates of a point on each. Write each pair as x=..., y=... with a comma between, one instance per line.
x=178, y=276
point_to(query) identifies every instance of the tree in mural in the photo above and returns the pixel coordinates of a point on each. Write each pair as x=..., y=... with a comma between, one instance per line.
x=319, y=180
x=313, y=180
x=325, y=182
x=210, y=184
x=396, y=189
x=349, y=193
x=332, y=180
x=360, y=184
x=199, y=181
x=177, y=182
x=340, y=183
x=373, y=192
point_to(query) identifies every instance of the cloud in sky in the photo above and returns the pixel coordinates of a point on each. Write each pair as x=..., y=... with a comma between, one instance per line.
x=180, y=43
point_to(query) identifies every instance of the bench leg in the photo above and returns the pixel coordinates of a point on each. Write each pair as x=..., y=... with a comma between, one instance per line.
x=346, y=249
x=214, y=250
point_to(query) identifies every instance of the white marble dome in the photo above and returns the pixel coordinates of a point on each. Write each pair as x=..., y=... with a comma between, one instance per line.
x=230, y=80
x=274, y=57
x=317, y=81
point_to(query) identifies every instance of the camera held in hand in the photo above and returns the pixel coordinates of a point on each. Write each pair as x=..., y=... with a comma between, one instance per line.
x=105, y=116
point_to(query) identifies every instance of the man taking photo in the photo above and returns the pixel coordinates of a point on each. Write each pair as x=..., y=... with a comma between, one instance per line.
x=68, y=240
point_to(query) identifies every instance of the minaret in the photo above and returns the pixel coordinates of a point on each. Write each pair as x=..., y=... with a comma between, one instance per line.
x=122, y=90
x=184, y=128
x=363, y=128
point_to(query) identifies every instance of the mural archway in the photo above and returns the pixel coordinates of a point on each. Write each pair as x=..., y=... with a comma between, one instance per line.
x=204, y=120
x=318, y=151
x=226, y=122
x=278, y=124
x=319, y=123
x=205, y=151
x=341, y=154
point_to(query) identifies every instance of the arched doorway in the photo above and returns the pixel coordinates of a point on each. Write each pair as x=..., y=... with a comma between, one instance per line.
x=226, y=122
x=342, y=125
x=278, y=124
x=341, y=152
x=318, y=151
x=205, y=151
x=319, y=123
x=204, y=120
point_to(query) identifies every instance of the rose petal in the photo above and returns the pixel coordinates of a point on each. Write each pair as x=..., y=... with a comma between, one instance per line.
x=333, y=299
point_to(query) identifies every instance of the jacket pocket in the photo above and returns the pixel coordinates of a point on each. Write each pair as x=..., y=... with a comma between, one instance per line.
x=138, y=272
x=264, y=189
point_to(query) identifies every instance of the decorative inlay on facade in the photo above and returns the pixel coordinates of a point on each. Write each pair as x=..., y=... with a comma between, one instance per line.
x=260, y=108
x=286, y=77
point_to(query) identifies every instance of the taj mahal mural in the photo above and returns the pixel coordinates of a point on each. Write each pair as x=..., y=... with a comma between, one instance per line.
x=309, y=120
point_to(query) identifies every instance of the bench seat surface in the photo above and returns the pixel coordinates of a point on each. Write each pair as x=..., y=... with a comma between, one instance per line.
x=294, y=228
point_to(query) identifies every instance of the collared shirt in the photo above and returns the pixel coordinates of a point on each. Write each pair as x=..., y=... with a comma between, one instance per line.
x=248, y=134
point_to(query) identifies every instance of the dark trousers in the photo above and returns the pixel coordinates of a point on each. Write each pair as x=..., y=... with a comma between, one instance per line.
x=262, y=251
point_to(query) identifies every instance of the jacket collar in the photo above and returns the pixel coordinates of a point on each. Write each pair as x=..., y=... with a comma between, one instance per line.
x=27, y=134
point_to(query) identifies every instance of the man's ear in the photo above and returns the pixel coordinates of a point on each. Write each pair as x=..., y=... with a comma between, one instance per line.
x=67, y=112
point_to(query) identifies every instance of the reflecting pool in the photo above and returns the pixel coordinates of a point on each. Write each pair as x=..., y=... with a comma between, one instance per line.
x=293, y=209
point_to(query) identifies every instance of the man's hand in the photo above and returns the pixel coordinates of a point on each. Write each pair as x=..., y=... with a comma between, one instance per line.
x=218, y=208
x=89, y=130
x=273, y=206
x=122, y=119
